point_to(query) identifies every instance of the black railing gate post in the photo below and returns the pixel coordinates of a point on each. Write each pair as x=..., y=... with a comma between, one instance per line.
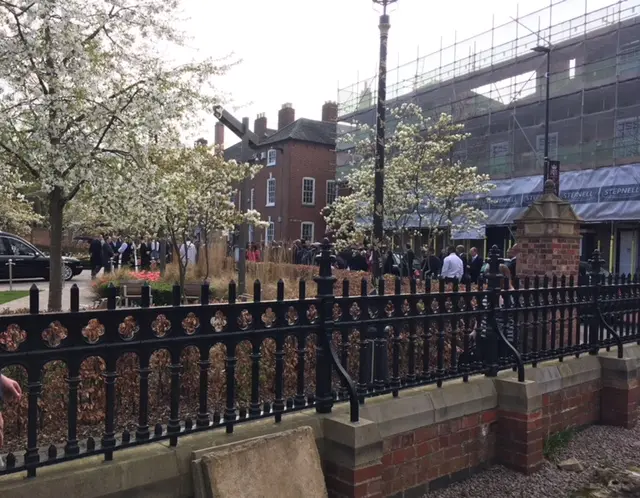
x=325, y=281
x=594, y=281
x=490, y=348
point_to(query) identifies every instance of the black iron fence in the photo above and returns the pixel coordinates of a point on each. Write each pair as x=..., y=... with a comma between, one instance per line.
x=257, y=359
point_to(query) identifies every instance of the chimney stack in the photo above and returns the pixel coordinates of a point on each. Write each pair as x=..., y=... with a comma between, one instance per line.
x=286, y=115
x=219, y=136
x=260, y=125
x=330, y=111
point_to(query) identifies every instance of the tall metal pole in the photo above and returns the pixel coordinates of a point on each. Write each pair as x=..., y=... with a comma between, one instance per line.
x=245, y=154
x=378, y=193
x=546, y=118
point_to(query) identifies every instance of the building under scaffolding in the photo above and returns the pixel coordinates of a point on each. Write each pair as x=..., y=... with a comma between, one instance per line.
x=495, y=84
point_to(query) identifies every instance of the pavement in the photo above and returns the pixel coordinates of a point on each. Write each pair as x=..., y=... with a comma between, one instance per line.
x=83, y=281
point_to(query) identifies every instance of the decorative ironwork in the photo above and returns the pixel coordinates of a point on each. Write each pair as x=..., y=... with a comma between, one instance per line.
x=392, y=340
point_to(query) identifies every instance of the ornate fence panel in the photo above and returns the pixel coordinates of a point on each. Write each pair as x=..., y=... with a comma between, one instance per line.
x=154, y=373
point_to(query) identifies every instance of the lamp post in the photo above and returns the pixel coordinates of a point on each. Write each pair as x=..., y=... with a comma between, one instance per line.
x=546, y=50
x=378, y=192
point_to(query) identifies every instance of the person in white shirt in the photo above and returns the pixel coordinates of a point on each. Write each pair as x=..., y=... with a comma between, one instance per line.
x=452, y=267
x=188, y=252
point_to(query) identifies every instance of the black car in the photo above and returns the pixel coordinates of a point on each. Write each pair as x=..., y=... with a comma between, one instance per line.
x=29, y=262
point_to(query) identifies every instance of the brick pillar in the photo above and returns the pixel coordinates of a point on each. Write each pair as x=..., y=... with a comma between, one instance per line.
x=548, y=238
x=548, y=244
x=620, y=391
x=352, y=458
x=520, y=437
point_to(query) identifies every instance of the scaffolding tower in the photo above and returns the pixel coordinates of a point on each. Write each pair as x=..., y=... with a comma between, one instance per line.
x=495, y=84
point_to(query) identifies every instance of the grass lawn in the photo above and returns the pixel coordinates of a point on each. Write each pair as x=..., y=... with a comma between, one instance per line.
x=6, y=296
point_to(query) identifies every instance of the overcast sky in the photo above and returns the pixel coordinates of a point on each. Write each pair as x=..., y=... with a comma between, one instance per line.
x=301, y=51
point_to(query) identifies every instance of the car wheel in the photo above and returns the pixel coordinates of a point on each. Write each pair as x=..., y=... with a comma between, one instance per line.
x=67, y=273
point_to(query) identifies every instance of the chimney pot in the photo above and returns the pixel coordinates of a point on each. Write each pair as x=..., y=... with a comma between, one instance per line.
x=330, y=111
x=286, y=115
x=260, y=125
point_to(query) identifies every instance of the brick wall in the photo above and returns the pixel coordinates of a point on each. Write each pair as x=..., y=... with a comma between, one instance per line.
x=509, y=428
x=575, y=406
x=439, y=454
x=548, y=256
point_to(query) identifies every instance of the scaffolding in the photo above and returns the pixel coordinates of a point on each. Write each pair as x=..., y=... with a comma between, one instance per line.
x=495, y=84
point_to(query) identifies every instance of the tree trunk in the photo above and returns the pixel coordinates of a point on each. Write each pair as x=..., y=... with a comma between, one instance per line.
x=56, y=208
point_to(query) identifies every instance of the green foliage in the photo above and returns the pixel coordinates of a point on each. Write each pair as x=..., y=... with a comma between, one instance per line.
x=557, y=442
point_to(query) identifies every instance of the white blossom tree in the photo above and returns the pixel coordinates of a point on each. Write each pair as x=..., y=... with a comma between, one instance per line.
x=16, y=211
x=424, y=187
x=186, y=190
x=84, y=89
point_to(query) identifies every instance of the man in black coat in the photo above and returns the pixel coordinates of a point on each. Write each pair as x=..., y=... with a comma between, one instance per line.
x=107, y=255
x=475, y=265
x=95, y=252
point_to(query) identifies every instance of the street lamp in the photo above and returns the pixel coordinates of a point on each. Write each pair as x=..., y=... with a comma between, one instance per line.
x=546, y=50
x=378, y=192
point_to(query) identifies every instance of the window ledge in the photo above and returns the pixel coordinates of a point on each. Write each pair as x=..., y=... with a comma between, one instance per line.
x=273, y=204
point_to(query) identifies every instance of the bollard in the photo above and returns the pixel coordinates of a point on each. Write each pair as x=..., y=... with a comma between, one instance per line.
x=10, y=264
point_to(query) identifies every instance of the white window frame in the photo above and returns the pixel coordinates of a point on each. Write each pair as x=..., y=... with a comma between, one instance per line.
x=272, y=157
x=313, y=230
x=252, y=199
x=270, y=232
x=313, y=191
x=271, y=202
x=553, y=147
x=335, y=192
x=572, y=69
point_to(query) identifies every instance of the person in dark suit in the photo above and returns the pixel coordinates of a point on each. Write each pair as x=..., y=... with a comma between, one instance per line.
x=475, y=265
x=95, y=252
x=107, y=255
x=431, y=264
x=465, y=259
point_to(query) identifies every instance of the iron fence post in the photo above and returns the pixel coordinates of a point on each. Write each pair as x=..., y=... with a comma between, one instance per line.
x=490, y=350
x=594, y=324
x=324, y=281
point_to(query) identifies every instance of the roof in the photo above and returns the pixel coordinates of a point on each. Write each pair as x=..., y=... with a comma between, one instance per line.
x=305, y=130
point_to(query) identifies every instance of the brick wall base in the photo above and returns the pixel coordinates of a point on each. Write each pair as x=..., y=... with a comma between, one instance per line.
x=407, y=457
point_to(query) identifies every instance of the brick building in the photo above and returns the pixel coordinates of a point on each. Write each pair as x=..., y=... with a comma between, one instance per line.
x=298, y=175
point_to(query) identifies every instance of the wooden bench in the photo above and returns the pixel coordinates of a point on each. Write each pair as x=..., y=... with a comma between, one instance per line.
x=131, y=291
x=192, y=293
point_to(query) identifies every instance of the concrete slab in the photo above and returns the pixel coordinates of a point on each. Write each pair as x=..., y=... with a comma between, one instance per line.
x=284, y=465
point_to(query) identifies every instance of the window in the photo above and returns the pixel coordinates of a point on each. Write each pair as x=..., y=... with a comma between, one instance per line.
x=572, y=69
x=627, y=137
x=306, y=231
x=332, y=192
x=19, y=248
x=553, y=148
x=252, y=232
x=271, y=192
x=272, y=154
x=499, y=158
x=252, y=199
x=629, y=57
x=308, y=191
x=270, y=232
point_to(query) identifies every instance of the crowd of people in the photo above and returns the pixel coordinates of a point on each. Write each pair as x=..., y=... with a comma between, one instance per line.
x=110, y=253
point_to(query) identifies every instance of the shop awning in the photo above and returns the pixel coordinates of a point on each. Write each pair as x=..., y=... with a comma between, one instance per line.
x=597, y=195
